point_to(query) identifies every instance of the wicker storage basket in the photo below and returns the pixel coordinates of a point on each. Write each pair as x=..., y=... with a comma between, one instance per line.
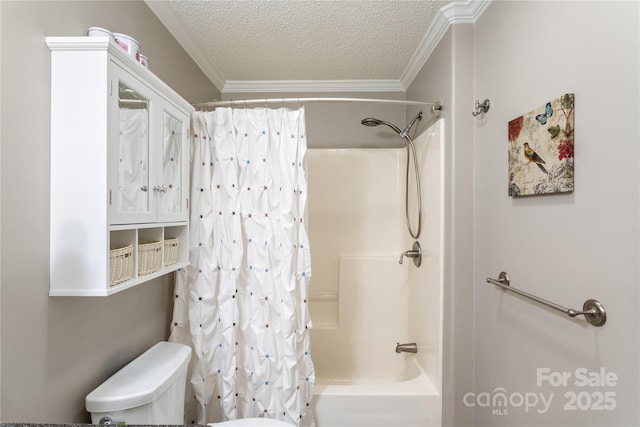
x=120, y=265
x=149, y=257
x=171, y=250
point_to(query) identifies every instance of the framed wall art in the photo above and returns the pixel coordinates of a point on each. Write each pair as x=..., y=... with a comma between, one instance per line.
x=541, y=147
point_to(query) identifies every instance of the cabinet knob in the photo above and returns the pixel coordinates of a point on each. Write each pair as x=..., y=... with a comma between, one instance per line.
x=144, y=188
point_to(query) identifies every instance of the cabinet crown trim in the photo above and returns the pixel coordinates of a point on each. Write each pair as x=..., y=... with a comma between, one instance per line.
x=86, y=43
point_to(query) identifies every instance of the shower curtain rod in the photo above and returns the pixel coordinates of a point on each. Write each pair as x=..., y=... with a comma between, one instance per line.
x=435, y=106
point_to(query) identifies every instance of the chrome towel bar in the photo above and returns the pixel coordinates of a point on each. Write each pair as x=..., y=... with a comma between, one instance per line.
x=592, y=310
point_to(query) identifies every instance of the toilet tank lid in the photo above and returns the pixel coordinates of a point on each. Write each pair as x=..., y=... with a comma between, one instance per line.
x=143, y=380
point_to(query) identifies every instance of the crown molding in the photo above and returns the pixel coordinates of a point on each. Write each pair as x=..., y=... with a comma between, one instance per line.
x=458, y=12
x=244, y=86
x=165, y=13
x=466, y=12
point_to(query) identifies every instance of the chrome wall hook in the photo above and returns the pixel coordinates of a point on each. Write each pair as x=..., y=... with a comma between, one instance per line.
x=481, y=107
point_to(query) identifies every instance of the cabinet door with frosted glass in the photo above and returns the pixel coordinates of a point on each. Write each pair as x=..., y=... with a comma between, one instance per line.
x=171, y=184
x=130, y=168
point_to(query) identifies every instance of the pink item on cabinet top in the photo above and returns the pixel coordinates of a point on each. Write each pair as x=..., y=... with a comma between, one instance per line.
x=143, y=60
x=129, y=44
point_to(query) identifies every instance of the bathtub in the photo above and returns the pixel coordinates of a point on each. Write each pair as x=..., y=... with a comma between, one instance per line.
x=362, y=301
x=411, y=401
x=360, y=379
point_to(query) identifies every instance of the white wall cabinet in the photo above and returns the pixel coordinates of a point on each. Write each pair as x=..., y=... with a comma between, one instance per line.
x=119, y=170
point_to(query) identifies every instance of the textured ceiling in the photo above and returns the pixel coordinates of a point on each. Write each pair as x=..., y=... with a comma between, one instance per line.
x=302, y=40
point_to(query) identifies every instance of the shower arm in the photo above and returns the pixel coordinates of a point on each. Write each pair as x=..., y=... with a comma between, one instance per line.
x=405, y=132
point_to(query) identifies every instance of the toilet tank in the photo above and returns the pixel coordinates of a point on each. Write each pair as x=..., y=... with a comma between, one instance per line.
x=149, y=390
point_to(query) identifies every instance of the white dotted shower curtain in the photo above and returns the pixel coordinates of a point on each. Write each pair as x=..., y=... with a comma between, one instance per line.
x=242, y=303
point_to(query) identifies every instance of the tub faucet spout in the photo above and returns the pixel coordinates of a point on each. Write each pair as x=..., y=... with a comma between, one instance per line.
x=407, y=348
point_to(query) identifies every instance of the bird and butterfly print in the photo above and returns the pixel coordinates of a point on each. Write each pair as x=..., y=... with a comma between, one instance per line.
x=541, y=148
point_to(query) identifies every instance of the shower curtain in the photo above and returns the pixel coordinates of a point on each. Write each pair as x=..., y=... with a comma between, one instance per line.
x=242, y=303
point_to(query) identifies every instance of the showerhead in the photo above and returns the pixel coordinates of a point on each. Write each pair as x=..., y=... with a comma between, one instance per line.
x=369, y=121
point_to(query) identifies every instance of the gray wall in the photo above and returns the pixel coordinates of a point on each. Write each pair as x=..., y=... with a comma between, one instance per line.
x=585, y=244
x=566, y=248
x=448, y=77
x=57, y=349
